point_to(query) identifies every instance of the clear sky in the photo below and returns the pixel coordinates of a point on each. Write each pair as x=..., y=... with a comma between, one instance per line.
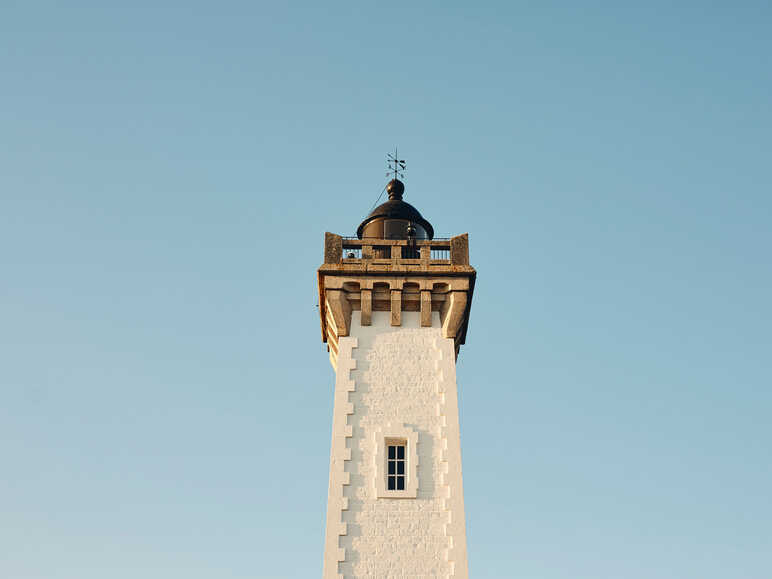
x=168, y=170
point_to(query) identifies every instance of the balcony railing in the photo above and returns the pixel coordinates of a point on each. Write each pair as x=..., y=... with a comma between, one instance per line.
x=426, y=252
x=440, y=253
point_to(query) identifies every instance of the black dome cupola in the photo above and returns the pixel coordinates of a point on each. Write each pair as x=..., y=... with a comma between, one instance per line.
x=395, y=219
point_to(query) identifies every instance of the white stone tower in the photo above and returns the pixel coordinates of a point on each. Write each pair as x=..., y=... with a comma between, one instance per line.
x=394, y=311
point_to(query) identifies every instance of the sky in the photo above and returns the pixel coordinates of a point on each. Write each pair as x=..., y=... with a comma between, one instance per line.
x=167, y=173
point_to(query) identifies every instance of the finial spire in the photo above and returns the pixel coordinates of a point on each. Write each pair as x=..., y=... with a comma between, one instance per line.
x=395, y=188
x=396, y=165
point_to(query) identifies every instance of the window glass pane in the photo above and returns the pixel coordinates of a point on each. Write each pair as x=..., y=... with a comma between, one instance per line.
x=396, y=459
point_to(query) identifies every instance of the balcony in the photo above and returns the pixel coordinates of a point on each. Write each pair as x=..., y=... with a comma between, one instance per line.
x=396, y=254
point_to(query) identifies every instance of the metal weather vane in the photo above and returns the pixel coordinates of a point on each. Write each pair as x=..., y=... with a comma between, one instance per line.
x=396, y=165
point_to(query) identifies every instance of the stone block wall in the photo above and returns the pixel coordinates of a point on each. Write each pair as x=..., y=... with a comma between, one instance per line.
x=395, y=377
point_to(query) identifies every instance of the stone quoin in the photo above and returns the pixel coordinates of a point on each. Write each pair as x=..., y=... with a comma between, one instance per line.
x=394, y=307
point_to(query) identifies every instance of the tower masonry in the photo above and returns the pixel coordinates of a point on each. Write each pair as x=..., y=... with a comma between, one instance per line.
x=394, y=305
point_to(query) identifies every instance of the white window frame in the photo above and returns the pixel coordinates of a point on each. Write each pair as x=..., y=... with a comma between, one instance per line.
x=401, y=434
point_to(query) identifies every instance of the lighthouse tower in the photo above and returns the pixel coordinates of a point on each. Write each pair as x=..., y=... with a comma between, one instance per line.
x=394, y=311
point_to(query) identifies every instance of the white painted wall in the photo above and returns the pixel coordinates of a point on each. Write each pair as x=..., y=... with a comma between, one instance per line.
x=395, y=377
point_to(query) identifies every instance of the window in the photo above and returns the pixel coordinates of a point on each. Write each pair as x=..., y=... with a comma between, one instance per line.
x=396, y=467
x=396, y=462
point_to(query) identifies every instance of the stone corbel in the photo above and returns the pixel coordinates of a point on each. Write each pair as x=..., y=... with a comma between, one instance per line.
x=340, y=308
x=426, y=308
x=452, y=314
x=396, y=307
x=366, y=301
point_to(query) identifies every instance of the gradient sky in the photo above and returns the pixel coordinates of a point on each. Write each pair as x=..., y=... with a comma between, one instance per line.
x=168, y=170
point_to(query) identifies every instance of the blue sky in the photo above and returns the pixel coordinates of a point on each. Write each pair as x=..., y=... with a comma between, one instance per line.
x=167, y=172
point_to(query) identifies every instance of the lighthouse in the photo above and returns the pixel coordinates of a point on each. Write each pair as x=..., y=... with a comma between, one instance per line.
x=394, y=307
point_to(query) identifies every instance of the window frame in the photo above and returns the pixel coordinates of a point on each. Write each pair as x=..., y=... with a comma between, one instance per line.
x=401, y=435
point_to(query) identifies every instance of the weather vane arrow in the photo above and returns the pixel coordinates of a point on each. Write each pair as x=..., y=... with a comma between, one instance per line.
x=396, y=165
